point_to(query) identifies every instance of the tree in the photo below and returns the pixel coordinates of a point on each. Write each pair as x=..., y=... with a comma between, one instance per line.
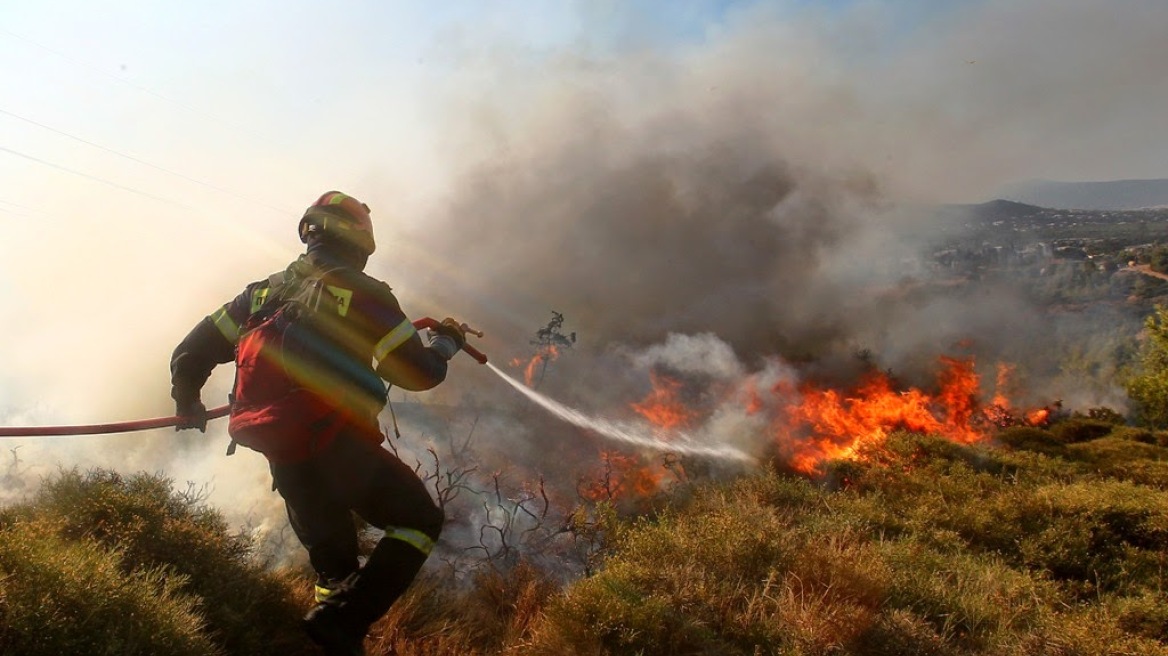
x=1148, y=388
x=1159, y=259
x=549, y=341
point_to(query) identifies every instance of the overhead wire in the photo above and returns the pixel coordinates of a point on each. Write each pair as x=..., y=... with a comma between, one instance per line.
x=95, y=178
x=143, y=89
x=143, y=162
x=116, y=185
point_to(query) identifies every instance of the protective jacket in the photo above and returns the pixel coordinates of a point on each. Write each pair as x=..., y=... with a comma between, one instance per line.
x=359, y=325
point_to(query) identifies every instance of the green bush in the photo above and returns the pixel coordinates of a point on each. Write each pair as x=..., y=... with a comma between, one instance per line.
x=1103, y=413
x=1134, y=434
x=920, y=547
x=973, y=602
x=1031, y=439
x=1080, y=429
x=61, y=596
x=246, y=608
x=1120, y=458
x=1147, y=387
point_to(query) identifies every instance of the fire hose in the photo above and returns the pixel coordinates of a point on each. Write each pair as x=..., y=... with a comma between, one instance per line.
x=214, y=413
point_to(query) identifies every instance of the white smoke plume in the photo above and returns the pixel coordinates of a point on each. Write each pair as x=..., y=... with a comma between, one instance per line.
x=702, y=207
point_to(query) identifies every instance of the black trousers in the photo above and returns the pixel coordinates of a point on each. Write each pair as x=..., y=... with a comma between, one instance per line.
x=353, y=474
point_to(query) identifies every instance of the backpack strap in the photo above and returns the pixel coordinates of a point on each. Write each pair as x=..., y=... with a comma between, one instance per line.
x=293, y=284
x=259, y=298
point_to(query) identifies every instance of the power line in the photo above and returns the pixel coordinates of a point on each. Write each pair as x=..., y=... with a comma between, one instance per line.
x=209, y=185
x=17, y=205
x=15, y=209
x=222, y=122
x=95, y=178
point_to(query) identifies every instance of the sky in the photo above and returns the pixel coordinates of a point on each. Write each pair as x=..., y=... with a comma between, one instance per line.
x=155, y=157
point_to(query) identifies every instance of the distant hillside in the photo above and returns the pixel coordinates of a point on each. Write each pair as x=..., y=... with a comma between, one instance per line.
x=1018, y=215
x=1115, y=195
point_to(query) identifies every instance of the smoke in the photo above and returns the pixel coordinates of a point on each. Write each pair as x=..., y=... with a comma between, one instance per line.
x=760, y=185
x=714, y=207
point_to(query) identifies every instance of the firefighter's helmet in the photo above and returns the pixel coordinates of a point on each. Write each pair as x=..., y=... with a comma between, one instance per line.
x=339, y=216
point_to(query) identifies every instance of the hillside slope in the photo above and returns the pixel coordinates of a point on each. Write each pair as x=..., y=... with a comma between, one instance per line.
x=1047, y=542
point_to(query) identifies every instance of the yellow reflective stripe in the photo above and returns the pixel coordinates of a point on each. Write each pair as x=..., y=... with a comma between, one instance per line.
x=415, y=539
x=258, y=297
x=394, y=339
x=322, y=593
x=226, y=324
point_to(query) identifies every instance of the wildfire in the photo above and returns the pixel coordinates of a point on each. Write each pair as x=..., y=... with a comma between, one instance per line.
x=624, y=476
x=662, y=407
x=546, y=353
x=811, y=424
x=1039, y=417
x=825, y=424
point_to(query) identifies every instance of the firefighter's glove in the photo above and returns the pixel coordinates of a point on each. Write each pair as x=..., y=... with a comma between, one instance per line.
x=191, y=414
x=449, y=338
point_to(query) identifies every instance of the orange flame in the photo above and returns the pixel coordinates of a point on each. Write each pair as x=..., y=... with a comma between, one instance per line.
x=826, y=425
x=662, y=407
x=1038, y=417
x=1002, y=385
x=811, y=425
x=628, y=475
x=624, y=476
x=546, y=353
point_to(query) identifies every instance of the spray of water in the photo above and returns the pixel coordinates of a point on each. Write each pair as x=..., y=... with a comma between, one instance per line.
x=627, y=432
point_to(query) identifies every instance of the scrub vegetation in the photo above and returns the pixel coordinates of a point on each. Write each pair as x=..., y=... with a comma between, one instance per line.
x=1047, y=541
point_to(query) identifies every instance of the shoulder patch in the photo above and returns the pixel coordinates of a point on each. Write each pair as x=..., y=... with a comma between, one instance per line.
x=343, y=298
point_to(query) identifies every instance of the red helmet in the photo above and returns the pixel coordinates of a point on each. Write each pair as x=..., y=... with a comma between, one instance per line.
x=342, y=217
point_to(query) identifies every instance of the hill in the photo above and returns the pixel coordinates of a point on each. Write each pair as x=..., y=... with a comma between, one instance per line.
x=1048, y=542
x=1015, y=215
x=1113, y=195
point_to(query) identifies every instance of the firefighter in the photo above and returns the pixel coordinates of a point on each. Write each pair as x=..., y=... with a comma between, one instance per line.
x=329, y=462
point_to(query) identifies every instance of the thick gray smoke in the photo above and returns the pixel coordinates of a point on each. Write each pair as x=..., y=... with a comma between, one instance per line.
x=715, y=209
x=754, y=186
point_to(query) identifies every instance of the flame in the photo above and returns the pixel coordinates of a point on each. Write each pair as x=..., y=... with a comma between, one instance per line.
x=1002, y=384
x=825, y=424
x=662, y=407
x=1039, y=417
x=545, y=353
x=811, y=424
x=624, y=476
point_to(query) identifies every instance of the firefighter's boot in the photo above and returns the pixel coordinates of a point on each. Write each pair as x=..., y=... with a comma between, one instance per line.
x=328, y=627
x=331, y=624
x=325, y=588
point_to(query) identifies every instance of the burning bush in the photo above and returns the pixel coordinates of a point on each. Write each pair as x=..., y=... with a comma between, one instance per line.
x=934, y=548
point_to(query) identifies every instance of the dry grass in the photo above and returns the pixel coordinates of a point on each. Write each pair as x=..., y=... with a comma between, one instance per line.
x=1053, y=543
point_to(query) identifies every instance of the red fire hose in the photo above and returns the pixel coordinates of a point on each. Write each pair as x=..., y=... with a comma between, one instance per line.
x=163, y=422
x=99, y=429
